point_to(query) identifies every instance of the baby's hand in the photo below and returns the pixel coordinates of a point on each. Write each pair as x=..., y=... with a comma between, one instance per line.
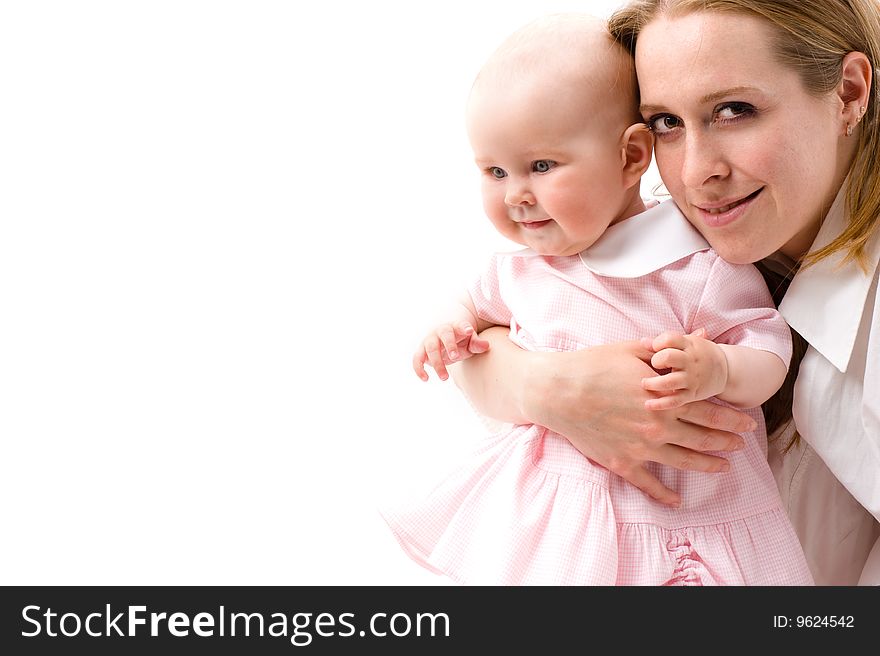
x=451, y=342
x=698, y=369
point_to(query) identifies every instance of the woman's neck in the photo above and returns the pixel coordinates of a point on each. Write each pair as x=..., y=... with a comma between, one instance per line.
x=798, y=245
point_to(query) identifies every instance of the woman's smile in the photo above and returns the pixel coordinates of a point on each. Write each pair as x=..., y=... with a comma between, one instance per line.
x=725, y=212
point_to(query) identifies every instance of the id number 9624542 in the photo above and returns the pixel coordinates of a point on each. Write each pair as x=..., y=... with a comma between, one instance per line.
x=814, y=621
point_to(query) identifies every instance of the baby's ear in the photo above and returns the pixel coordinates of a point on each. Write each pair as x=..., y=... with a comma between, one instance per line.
x=637, y=145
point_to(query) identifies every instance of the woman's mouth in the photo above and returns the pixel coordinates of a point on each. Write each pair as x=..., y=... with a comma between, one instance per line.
x=716, y=216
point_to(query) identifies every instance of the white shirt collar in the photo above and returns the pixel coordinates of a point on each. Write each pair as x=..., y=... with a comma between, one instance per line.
x=643, y=243
x=825, y=301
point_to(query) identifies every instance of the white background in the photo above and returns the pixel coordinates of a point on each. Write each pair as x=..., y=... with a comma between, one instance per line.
x=224, y=227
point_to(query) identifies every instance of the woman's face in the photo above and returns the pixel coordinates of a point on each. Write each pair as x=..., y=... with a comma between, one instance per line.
x=750, y=157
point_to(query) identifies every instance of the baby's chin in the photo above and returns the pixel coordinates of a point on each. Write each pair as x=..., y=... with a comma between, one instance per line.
x=555, y=252
x=563, y=250
x=551, y=246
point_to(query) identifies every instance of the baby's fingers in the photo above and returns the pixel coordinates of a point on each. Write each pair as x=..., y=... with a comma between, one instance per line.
x=467, y=339
x=477, y=344
x=418, y=363
x=669, y=358
x=463, y=329
x=448, y=339
x=669, y=340
x=433, y=349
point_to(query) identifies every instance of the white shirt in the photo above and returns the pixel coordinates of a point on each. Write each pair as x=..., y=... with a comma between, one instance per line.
x=644, y=243
x=837, y=393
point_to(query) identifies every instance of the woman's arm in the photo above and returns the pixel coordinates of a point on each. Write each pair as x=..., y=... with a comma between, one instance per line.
x=494, y=384
x=595, y=398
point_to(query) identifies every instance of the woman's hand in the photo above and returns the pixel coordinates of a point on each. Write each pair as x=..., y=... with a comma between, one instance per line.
x=595, y=398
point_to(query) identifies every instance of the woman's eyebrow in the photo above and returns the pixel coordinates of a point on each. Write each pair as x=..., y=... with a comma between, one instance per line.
x=708, y=98
x=650, y=109
x=732, y=91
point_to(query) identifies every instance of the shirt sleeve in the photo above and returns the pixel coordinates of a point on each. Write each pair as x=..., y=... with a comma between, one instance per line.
x=486, y=293
x=736, y=308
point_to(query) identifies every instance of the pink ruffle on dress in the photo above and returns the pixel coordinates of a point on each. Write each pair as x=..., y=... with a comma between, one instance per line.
x=528, y=508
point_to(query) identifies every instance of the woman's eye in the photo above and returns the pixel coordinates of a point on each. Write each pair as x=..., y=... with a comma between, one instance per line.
x=543, y=165
x=733, y=111
x=497, y=172
x=663, y=124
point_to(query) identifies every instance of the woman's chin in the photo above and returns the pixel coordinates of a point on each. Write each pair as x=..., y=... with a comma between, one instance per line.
x=740, y=253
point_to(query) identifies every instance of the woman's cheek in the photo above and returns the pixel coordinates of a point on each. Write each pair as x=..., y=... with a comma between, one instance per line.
x=669, y=166
x=759, y=155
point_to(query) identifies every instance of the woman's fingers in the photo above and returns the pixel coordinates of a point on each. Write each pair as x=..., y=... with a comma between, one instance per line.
x=593, y=397
x=666, y=383
x=650, y=485
x=667, y=402
x=718, y=417
x=690, y=460
x=701, y=438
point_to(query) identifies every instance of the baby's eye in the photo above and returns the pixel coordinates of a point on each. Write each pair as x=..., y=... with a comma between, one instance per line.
x=543, y=165
x=497, y=172
x=663, y=123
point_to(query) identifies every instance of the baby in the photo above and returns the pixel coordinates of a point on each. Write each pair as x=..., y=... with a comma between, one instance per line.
x=554, y=125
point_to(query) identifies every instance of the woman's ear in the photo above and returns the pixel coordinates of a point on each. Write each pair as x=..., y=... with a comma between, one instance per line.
x=854, y=89
x=636, y=148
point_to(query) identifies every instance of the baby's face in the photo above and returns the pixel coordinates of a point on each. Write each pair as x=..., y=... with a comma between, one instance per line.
x=550, y=162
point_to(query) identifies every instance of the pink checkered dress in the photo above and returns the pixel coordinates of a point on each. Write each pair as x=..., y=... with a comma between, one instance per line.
x=528, y=508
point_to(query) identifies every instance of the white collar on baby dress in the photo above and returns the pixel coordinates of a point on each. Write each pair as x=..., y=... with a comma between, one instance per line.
x=644, y=243
x=825, y=301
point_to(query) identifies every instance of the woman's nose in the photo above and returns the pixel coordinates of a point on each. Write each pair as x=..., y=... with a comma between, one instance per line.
x=703, y=161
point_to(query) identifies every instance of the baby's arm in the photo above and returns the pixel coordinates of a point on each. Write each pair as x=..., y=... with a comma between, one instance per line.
x=453, y=340
x=742, y=376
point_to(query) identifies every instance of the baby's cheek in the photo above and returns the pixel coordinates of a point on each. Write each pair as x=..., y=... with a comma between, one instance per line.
x=494, y=207
x=571, y=195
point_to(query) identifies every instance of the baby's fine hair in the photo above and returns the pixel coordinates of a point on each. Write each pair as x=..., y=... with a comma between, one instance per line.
x=575, y=46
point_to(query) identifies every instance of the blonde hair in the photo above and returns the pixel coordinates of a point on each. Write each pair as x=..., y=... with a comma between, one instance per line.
x=813, y=38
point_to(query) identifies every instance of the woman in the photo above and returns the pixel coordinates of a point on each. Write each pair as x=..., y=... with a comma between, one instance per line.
x=767, y=137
